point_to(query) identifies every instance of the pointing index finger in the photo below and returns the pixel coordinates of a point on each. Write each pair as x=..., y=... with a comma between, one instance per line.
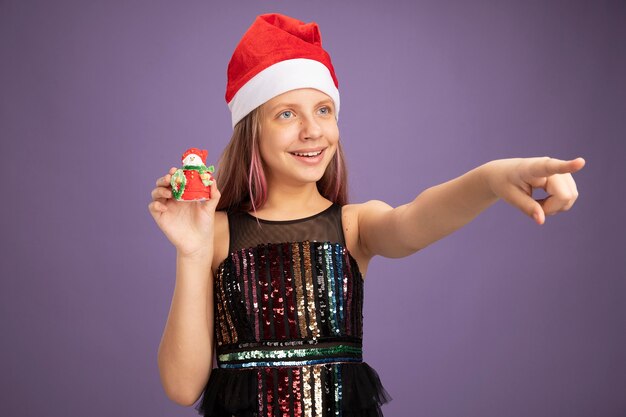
x=545, y=167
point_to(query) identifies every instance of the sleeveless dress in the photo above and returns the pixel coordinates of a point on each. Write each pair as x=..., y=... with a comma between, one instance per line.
x=288, y=324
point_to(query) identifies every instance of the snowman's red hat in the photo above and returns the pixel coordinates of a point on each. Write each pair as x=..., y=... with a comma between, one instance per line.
x=277, y=54
x=202, y=154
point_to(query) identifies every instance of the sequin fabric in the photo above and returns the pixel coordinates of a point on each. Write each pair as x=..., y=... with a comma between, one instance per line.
x=289, y=316
x=292, y=311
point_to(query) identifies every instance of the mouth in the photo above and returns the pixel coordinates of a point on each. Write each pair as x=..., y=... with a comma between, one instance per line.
x=309, y=157
x=307, y=154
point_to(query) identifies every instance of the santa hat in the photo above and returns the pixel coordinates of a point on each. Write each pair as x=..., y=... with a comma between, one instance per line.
x=277, y=54
x=202, y=154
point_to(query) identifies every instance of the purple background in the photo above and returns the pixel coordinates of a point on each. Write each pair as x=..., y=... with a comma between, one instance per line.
x=504, y=318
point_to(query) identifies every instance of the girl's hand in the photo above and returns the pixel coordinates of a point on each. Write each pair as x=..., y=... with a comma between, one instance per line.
x=513, y=180
x=188, y=225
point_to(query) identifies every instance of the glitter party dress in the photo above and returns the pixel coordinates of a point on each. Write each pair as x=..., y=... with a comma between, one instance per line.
x=288, y=324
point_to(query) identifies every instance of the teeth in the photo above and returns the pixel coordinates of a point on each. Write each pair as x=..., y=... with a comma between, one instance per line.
x=308, y=153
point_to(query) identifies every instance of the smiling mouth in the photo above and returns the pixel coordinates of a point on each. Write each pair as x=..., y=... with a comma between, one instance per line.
x=307, y=154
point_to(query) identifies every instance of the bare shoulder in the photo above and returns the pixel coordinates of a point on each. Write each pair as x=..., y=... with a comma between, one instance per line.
x=221, y=239
x=352, y=216
x=357, y=213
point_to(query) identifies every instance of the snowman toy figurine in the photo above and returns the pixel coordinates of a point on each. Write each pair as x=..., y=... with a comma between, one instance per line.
x=193, y=182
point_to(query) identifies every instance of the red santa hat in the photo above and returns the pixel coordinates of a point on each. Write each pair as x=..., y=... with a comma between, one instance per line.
x=202, y=154
x=277, y=54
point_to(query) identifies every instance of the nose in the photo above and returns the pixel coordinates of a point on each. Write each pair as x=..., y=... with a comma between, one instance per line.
x=310, y=128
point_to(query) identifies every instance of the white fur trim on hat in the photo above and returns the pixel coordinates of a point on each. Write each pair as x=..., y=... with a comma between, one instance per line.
x=278, y=79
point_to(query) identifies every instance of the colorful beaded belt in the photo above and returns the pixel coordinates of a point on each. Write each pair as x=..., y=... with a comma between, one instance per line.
x=291, y=356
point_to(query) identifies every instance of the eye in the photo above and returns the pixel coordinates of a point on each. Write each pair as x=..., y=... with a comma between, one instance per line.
x=285, y=115
x=324, y=110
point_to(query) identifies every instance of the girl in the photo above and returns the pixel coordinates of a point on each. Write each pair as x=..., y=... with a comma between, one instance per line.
x=269, y=270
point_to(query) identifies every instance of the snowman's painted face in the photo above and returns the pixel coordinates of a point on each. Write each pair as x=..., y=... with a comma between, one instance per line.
x=193, y=160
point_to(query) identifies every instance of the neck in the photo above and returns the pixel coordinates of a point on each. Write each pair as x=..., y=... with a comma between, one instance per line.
x=286, y=202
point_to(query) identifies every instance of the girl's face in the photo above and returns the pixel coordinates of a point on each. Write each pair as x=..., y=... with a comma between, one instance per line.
x=299, y=136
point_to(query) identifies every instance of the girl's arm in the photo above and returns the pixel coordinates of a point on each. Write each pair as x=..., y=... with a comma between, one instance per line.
x=186, y=349
x=185, y=355
x=442, y=209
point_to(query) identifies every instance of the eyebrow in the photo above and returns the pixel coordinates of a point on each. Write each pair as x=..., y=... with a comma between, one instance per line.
x=287, y=104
